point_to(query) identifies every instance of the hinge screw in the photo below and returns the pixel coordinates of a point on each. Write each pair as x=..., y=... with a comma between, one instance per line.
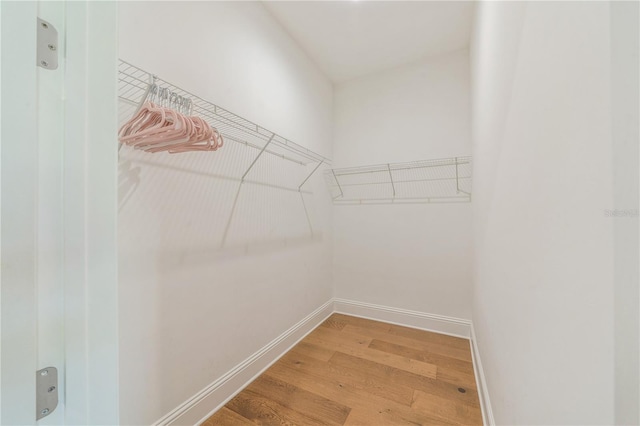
x=45, y=411
x=44, y=372
x=51, y=389
x=44, y=25
x=44, y=63
x=51, y=47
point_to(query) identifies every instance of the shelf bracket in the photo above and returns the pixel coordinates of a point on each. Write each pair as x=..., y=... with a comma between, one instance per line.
x=391, y=178
x=338, y=183
x=258, y=156
x=310, y=174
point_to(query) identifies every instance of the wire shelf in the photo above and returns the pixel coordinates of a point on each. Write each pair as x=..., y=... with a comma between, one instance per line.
x=446, y=180
x=132, y=87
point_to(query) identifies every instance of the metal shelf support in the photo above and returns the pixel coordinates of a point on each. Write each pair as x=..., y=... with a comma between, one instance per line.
x=338, y=183
x=257, y=156
x=310, y=174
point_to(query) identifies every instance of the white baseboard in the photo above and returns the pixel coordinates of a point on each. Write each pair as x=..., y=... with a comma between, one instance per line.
x=198, y=408
x=457, y=327
x=481, y=383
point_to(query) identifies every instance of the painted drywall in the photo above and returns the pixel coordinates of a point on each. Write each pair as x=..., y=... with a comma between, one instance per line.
x=372, y=36
x=416, y=256
x=202, y=288
x=543, y=303
x=625, y=93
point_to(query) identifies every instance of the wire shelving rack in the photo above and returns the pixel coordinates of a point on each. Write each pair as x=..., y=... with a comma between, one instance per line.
x=134, y=82
x=446, y=180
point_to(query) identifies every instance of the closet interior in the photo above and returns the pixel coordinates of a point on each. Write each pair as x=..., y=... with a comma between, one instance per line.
x=293, y=174
x=349, y=212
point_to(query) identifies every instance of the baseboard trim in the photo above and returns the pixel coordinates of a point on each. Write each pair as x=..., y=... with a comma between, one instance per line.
x=198, y=408
x=481, y=383
x=451, y=326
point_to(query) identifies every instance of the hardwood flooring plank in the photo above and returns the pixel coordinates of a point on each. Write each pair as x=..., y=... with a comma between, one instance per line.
x=457, y=378
x=406, y=332
x=373, y=385
x=446, y=409
x=376, y=410
x=341, y=342
x=463, y=355
x=386, y=417
x=226, y=417
x=423, y=355
x=314, y=351
x=265, y=411
x=393, y=375
x=451, y=370
x=441, y=339
x=307, y=403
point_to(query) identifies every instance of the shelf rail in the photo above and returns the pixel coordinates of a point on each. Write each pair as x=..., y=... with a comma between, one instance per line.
x=444, y=180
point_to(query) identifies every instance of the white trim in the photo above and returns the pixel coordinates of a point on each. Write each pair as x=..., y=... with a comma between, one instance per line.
x=481, y=383
x=451, y=326
x=198, y=408
x=90, y=214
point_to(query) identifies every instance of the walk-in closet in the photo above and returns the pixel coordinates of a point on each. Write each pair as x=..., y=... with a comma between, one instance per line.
x=349, y=212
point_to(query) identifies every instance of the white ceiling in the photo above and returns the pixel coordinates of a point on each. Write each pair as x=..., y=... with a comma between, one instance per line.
x=351, y=38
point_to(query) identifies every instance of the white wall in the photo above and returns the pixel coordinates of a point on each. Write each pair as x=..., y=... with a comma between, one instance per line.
x=625, y=96
x=414, y=256
x=543, y=307
x=191, y=307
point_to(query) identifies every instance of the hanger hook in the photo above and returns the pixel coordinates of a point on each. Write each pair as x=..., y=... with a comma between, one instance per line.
x=173, y=100
x=164, y=96
x=153, y=88
x=153, y=92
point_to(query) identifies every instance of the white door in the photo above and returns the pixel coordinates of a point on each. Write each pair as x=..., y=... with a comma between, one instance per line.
x=58, y=286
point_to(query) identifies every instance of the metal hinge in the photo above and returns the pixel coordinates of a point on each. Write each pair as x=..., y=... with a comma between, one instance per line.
x=46, y=391
x=47, y=51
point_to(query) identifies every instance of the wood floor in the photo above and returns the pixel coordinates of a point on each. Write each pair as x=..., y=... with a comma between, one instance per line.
x=352, y=371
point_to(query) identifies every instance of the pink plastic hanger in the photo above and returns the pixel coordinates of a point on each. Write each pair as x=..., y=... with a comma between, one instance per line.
x=158, y=127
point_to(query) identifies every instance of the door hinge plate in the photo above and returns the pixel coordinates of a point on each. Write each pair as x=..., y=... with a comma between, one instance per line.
x=46, y=391
x=47, y=51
